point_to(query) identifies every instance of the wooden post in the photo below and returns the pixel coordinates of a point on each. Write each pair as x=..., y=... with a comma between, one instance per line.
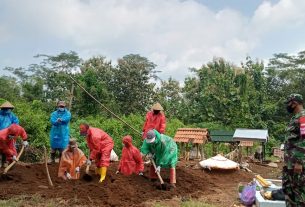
x=263, y=147
x=202, y=152
x=239, y=153
x=197, y=149
x=71, y=97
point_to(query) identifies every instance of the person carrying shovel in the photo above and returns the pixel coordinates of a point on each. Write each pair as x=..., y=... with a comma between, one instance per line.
x=8, y=139
x=100, y=145
x=163, y=150
x=131, y=160
x=71, y=161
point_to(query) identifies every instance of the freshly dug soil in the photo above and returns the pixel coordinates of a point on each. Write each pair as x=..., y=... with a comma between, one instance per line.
x=216, y=187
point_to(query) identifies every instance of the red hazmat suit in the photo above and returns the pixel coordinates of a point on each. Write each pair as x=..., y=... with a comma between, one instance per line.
x=69, y=161
x=100, y=145
x=131, y=161
x=7, y=146
x=154, y=121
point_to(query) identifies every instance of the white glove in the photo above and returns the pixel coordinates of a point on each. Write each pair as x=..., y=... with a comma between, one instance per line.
x=77, y=169
x=140, y=173
x=150, y=156
x=68, y=176
x=25, y=143
x=88, y=162
x=15, y=158
x=117, y=172
x=158, y=169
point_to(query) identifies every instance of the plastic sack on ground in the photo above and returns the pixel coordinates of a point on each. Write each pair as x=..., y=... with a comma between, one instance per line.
x=219, y=162
x=247, y=195
x=113, y=156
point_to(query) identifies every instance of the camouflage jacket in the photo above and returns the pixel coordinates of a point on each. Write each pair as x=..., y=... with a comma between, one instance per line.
x=294, y=151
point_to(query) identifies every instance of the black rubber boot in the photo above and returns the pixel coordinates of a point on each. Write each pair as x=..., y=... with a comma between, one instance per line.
x=53, y=155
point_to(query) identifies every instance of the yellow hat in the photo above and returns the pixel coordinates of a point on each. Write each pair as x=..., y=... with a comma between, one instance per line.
x=7, y=105
x=157, y=106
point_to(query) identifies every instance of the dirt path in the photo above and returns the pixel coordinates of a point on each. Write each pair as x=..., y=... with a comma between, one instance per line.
x=218, y=187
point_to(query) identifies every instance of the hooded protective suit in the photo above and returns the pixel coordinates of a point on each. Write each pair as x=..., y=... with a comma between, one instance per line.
x=59, y=136
x=70, y=161
x=7, y=145
x=131, y=161
x=154, y=121
x=100, y=145
x=7, y=117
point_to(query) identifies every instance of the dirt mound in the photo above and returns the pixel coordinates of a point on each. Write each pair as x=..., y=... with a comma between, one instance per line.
x=117, y=190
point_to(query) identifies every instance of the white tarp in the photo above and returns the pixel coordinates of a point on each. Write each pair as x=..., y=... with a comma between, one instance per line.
x=113, y=156
x=219, y=162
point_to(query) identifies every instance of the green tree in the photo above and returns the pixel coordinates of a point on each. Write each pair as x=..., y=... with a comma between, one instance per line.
x=133, y=90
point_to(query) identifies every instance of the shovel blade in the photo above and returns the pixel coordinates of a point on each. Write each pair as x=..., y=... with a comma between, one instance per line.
x=87, y=177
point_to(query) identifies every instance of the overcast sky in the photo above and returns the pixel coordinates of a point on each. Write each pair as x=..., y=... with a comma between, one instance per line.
x=174, y=34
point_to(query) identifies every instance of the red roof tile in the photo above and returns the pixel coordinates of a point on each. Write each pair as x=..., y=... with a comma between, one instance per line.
x=194, y=135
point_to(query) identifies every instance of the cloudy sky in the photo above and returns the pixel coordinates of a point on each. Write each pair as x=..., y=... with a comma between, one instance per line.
x=174, y=34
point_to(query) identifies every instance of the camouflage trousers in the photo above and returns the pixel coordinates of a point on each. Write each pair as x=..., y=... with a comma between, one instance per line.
x=294, y=188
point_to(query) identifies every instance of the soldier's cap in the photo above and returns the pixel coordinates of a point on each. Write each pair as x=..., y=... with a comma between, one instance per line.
x=294, y=97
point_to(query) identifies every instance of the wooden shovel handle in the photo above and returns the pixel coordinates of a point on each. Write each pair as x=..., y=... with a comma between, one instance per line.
x=87, y=169
x=46, y=165
x=14, y=162
x=158, y=174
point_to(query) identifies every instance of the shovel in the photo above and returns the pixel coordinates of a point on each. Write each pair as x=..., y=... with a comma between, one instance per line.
x=163, y=186
x=87, y=176
x=14, y=162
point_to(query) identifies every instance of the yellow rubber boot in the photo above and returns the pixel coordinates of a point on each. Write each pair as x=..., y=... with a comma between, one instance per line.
x=103, y=173
x=98, y=171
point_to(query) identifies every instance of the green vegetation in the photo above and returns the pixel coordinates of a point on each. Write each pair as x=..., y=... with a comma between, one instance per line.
x=218, y=95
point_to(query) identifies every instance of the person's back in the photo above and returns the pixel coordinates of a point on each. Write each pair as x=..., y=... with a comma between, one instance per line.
x=131, y=160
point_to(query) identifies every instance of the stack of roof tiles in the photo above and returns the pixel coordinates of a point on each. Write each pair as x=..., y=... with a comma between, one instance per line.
x=193, y=135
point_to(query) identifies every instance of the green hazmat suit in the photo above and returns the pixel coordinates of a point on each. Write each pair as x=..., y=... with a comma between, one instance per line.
x=164, y=148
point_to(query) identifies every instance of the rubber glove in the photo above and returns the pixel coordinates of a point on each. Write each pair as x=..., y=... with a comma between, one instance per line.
x=68, y=176
x=25, y=143
x=158, y=169
x=15, y=158
x=150, y=156
x=88, y=162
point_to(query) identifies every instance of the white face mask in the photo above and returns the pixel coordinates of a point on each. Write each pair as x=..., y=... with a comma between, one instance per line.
x=61, y=109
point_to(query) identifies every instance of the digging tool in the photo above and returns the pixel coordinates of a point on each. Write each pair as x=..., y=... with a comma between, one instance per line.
x=14, y=162
x=87, y=176
x=46, y=165
x=158, y=174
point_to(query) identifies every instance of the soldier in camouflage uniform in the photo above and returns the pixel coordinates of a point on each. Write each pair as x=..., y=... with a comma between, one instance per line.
x=294, y=156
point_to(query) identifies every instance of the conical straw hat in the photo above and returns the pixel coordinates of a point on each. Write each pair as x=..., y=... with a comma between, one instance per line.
x=157, y=106
x=7, y=105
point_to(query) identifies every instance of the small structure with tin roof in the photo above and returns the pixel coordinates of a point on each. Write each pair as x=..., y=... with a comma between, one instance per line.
x=222, y=136
x=248, y=136
x=190, y=136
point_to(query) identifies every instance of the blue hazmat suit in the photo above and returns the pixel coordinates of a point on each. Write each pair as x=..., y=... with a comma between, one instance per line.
x=7, y=117
x=60, y=131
